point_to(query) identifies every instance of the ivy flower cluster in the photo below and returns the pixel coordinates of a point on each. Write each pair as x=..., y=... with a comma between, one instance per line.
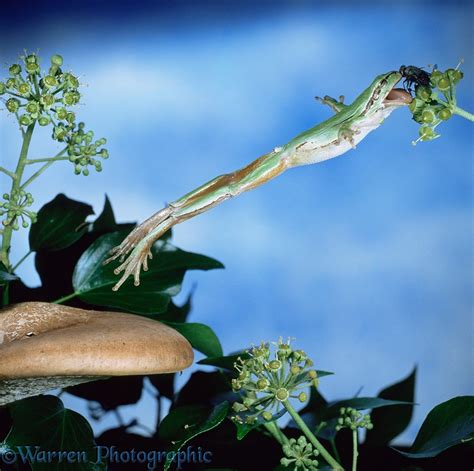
x=353, y=419
x=14, y=208
x=46, y=98
x=300, y=455
x=428, y=108
x=268, y=378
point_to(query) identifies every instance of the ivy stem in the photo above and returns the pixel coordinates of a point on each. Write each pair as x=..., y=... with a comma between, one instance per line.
x=355, y=452
x=309, y=435
x=276, y=433
x=463, y=113
x=7, y=172
x=65, y=298
x=48, y=164
x=8, y=231
x=22, y=259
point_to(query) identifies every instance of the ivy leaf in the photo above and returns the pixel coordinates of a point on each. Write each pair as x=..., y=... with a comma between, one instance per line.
x=93, y=281
x=390, y=422
x=224, y=362
x=448, y=424
x=6, y=276
x=106, y=222
x=361, y=403
x=185, y=423
x=60, y=223
x=43, y=422
x=200, y=336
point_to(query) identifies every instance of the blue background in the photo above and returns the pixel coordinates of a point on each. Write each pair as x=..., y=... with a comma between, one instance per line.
x=366, y=260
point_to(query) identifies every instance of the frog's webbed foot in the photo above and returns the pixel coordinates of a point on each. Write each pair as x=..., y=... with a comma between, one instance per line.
x=135, y=262
x=334, y=104
x=139, y=242
x=347, y=134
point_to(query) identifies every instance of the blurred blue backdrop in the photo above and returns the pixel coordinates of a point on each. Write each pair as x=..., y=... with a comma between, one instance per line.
x=366, y=259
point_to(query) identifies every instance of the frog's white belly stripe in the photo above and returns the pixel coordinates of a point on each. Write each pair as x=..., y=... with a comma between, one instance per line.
x=312, y=151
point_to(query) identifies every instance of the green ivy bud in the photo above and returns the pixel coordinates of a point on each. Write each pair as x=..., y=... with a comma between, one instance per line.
x=71, y=80
x=444, y=114
x=302, y=397
x=295, y=369
x=47, y=100
x=24, y=88
x=435, y=76
x=31, y=59
x=3, y=88
x=77, y=169
x=25, y=224
x=70, y=117
x=426, y=133
x=12, y=105
x=423, y=93
x=57, y=60
x=71, y=98
x=444, y=84
x=61, y=113
x=11, y=83
x=32, y=107
x=428, y=116
x=50, y=81
x=282, y=394
x=85, y=172
x=454, y=75
x=274, y=365
x=25, y=120
x=313, y=374
x=262, y=384
x=267, y=415
x=32, y=68
x=44, y=120
x=15, y=69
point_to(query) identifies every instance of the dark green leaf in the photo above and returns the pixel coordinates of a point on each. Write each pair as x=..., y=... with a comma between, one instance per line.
x=200, y=336
x=361, y=403
x=60, y=223
x=93, y=281
x=205, y=388
x=43, y=422
x=225, y=362
x=176, y=313
x=447, y=425
x=106, y=220
x=389, y=422
x=5, y=276
x=185, y=423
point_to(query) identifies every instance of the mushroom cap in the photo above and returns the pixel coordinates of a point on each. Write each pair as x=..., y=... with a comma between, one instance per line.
x=68, y=346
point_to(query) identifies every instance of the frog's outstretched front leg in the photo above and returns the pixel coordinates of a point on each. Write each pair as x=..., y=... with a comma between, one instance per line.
x=137, y=245
x=335, y=105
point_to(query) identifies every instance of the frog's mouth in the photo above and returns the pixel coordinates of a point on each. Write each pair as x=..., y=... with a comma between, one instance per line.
x=398, y=97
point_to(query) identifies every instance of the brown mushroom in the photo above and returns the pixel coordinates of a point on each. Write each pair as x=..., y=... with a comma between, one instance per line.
x=45, y=346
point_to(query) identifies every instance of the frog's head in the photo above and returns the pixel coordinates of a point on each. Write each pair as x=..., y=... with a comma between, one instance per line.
x=382, y=93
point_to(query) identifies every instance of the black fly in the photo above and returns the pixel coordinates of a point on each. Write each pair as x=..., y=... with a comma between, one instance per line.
x=414, y=76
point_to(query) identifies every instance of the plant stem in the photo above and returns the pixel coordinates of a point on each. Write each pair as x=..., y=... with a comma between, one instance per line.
x=463, y=113
x=355, y=452
x=65, y=298
x=22, y=259
x=8, y=231
x=309, y=435
x=48, y=159
x=334, y=449
x=7, y=172
x=48, y=164
x=276, y=433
